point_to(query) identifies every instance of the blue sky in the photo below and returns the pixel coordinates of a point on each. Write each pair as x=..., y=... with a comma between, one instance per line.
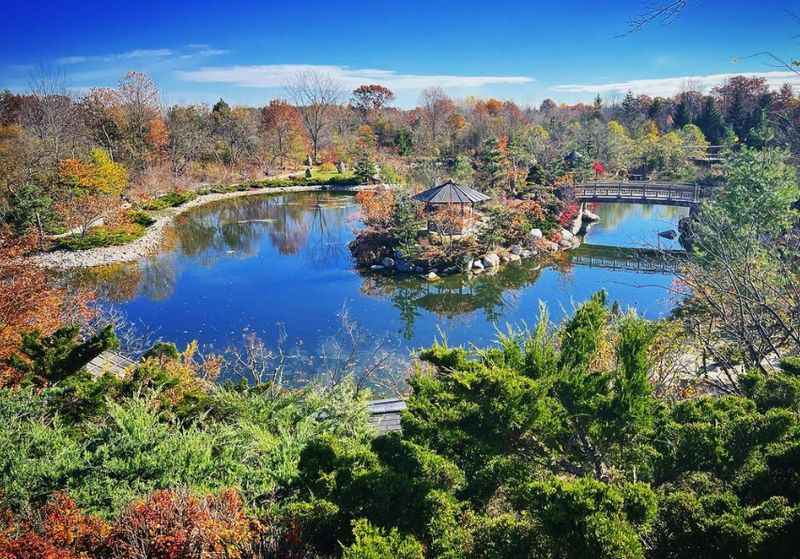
x=245, y=52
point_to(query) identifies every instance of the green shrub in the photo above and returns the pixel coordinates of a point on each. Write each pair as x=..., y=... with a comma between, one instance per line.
x=141, y=218
x=374, y=543
x=101, y=237
x=171, y=200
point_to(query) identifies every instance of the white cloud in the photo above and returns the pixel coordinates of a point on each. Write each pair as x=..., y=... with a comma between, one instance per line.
x=671, y=86
x=196, y=51
x=279, y=75
x=205, y=52
x=130, y=55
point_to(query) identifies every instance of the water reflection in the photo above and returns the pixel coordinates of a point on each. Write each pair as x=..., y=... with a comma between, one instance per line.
x=246, y=264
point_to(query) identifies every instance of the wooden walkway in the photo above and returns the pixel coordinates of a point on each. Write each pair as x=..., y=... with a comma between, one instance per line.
x=109, y=362
x=642, y=192
x=385, y=414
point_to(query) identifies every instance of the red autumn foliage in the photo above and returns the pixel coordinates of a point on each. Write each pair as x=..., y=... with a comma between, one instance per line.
x=62, y=532
x=568, y=214
x=599, y=168
x=177, y=525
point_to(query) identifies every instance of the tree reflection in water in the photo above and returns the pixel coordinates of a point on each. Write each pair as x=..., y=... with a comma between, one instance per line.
x=457, y=296
x=313, y=226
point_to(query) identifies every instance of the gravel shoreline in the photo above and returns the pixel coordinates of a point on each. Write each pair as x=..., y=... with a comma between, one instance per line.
x=150, y=242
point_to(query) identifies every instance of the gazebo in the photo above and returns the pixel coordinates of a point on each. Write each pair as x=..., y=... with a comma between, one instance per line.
x=451, y=206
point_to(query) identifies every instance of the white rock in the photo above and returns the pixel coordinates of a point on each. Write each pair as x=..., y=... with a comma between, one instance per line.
x=491, y=260
x=377, y=267
x=535, y=233
x=566, y=235
x=564, y=243
x=477, y=265
x=431, y=276
x=589, y=215
x=516, y=249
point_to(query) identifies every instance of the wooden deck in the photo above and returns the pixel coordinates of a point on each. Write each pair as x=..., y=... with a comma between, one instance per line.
x=109, y=362
x=385, y=414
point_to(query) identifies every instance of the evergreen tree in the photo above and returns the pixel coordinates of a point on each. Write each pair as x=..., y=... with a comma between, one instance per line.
x=50, y=359
x=491, y=165
x=597, y=108
x=711, y=122
x=681, y=117
x=405, y=226
x=365, y=168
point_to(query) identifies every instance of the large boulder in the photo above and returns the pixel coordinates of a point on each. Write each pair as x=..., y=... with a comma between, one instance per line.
x=491, y=260
x=535, y=233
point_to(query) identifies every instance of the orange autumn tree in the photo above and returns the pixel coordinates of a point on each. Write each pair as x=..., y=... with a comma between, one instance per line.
x=284, y=140
x=377, y=208
x=92, y=188
x=30, y=301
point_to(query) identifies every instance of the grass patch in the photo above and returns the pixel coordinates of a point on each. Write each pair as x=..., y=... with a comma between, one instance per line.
x=102, y=236
x=171, y=200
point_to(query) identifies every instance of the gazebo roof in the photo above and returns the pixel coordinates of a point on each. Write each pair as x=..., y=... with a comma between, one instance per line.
x=451, y=193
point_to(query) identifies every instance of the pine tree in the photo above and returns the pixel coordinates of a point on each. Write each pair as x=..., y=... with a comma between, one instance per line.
x=681, y=117
x=711, y=122
x=365, y=168
x=492, y=164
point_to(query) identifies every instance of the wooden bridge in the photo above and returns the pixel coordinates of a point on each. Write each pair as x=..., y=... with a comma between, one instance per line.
x=642, y=192
x=642, y=260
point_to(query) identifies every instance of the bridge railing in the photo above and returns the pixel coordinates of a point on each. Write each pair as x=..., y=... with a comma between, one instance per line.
x=640, y=190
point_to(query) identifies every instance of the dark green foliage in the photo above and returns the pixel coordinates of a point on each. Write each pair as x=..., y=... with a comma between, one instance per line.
x=405, y=226
x=162, y=351
x=29, y=208
x=711, y=122
x=491, y=164
x=50, y=359
x=142, y=218
x=390, y=482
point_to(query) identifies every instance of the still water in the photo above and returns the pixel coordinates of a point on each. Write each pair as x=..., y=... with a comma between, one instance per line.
x=250, y=264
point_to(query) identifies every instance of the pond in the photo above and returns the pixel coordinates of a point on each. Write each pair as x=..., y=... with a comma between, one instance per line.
x=247, y=265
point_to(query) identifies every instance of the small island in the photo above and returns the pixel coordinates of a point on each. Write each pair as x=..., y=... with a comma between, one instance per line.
x=453, y=228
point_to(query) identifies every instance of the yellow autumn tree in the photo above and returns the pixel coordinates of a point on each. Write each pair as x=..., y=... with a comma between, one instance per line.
x=92, y=188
